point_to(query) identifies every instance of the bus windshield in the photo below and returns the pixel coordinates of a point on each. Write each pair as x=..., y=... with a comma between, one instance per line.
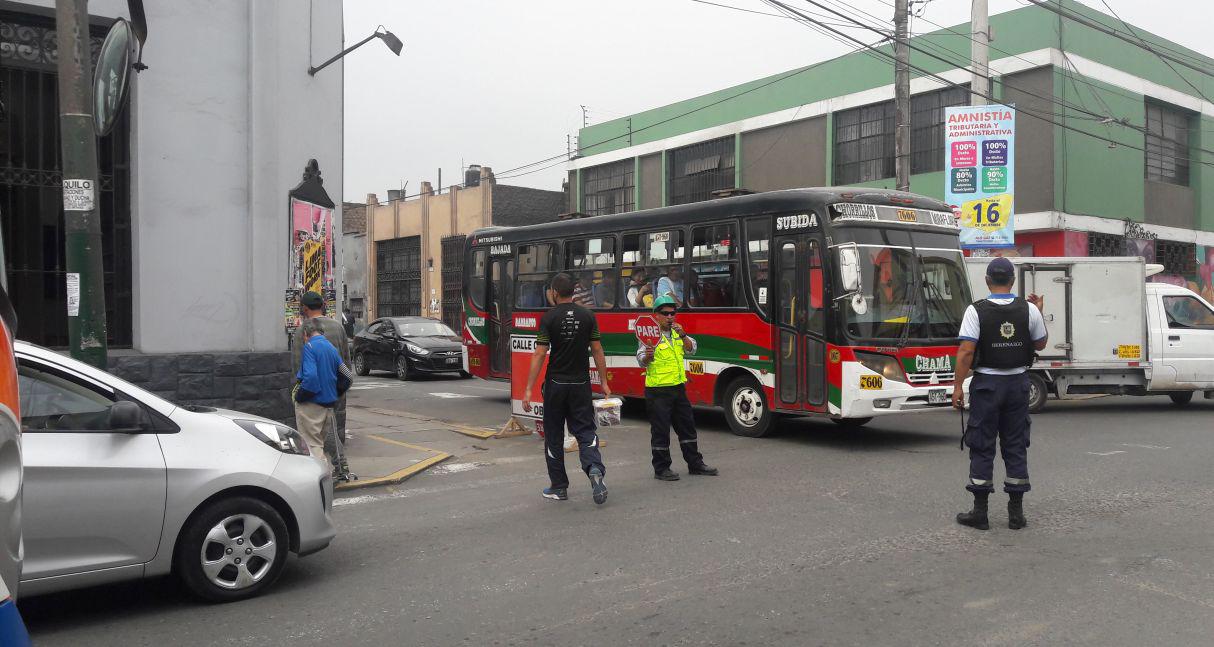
x=912, y=285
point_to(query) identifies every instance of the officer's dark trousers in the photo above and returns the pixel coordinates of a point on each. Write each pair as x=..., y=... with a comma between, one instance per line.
x=999, y=409
x=668, y=406
x=569, y=404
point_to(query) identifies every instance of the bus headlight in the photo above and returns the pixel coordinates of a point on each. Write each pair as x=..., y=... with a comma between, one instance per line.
x=883, y=365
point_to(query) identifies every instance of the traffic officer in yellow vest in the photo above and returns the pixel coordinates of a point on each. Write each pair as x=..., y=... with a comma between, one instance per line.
x=666, y=395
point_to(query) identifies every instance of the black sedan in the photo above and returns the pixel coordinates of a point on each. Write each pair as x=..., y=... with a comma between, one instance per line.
x=408, y=346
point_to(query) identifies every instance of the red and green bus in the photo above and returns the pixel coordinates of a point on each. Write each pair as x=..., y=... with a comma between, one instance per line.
x=836, y=302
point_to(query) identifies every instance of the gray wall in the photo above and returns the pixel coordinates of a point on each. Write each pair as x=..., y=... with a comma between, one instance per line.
x=354, y=253
x=787, y=156
x=1034, y=139
x=519, y=205
x=651, y=181
x=1169, y=204
x=215, y=147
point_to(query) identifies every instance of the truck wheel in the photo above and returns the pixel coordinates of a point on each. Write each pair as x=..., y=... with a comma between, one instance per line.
x=1038, y=393
x=1182, y=398
x=746, y=408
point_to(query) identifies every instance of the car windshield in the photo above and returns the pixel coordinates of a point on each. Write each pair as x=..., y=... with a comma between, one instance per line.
x=912, y=285
x=424, y=329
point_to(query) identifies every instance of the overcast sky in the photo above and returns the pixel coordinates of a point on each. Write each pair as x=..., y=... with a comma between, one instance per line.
x=500, y=83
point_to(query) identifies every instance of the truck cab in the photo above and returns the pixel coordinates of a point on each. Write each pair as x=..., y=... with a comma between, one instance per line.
x=1181, y=330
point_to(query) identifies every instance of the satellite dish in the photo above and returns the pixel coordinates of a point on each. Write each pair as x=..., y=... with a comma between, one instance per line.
x=111, y=79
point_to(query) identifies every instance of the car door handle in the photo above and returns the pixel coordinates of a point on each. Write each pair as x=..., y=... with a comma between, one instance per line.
x=1173, y=337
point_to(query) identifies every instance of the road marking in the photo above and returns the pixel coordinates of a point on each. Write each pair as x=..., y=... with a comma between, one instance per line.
x=455, y=468
x=375, y=385
x=1144, y=446
x=451, y=396
x=402, y=444
x=1116, y=451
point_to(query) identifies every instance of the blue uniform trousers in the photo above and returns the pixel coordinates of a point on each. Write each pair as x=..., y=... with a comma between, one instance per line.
x=999, y=410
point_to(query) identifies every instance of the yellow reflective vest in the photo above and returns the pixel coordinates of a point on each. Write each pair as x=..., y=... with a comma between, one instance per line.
x=667, y=369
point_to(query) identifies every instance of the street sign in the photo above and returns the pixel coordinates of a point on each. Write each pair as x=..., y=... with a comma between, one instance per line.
x=112, y=77
x=648, y=331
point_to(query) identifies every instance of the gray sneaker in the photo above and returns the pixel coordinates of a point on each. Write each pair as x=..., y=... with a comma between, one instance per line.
x=597, y=487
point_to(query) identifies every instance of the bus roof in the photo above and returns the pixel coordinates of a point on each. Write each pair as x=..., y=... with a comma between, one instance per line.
x=745, y=205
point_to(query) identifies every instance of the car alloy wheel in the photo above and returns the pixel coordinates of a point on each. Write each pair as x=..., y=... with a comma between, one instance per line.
x=232, y=549
x=239, y=552
x=360, y=364
x=402, y=368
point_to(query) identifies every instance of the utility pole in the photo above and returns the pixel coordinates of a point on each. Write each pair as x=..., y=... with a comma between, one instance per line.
x=901, y=96
x=81, y=222
x=980, y=33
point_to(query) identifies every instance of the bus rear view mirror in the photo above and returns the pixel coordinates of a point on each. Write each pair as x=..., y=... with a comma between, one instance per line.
x=849, y=267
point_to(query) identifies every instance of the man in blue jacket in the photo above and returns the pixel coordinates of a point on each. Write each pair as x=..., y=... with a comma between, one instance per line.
x=316, y=393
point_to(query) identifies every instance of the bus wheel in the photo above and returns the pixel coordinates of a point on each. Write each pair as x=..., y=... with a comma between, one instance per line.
x=851, y=422
x=1038, y=393
x=1182, y=398
x=746, y=409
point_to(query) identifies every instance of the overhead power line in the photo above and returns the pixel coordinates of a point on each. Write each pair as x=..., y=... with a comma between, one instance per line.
x=1074, y=17
x=1147, y=46
x=947, y=82
x=1103, y=118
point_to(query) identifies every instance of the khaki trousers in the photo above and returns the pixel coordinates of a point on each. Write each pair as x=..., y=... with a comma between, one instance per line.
x=312, y=421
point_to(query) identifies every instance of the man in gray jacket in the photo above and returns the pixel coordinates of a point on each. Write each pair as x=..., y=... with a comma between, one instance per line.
x=312, y=314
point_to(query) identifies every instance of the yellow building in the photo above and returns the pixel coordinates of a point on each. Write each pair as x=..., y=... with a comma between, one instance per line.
x=415, y=243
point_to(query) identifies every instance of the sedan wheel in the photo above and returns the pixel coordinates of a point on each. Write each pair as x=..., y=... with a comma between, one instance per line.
x=402, y=368
x=232, y=549
x=360, y=364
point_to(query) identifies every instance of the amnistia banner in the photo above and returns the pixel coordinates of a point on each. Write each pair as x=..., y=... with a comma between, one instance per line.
x=980, y=151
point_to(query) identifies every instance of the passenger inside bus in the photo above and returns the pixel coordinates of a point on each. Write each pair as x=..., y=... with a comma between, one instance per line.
x=640, y=290
x=605, y=291
x=671, y=285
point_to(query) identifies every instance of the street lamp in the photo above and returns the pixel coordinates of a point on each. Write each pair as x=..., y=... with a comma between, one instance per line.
x=380, y=32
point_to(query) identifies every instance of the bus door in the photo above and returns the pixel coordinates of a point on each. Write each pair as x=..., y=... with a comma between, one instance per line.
x=800, y=317
x=501, y=313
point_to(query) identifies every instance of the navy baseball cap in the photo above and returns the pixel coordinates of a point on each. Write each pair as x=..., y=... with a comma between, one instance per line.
x=1000, y=268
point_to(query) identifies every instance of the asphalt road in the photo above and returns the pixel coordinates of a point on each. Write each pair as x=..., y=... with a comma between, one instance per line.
x=816, y=536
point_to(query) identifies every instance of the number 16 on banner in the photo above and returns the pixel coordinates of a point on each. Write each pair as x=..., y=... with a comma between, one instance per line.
x=988, y=214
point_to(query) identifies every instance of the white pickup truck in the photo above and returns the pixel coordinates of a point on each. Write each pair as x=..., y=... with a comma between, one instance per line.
x=1111, y=331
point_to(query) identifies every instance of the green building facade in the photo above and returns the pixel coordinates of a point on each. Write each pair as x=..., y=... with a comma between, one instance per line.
x=1114, y=145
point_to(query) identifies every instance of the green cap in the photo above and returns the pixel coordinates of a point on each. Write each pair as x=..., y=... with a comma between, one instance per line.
x=663, y=300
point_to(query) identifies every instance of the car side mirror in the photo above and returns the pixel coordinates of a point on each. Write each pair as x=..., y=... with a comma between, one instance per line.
x=126, y=417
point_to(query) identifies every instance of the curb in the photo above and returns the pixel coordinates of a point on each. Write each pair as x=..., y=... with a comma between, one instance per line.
x=395, y=477
x=399, y=475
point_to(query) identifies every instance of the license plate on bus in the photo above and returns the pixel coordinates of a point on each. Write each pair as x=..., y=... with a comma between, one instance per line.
x=871, y=382
x=938, y=396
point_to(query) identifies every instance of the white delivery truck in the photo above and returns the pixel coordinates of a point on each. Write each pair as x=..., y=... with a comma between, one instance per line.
x=1111, y=331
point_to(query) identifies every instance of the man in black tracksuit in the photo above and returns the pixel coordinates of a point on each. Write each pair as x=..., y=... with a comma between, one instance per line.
x=567, y=330
x=999, y=335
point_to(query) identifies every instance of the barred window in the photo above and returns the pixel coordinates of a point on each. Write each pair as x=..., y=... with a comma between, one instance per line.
x=1105, y=244
x=864, y=143
x=1177, y=258
x=927, y=127
x=609, y=188
x=699, y=169
x=1167, y=144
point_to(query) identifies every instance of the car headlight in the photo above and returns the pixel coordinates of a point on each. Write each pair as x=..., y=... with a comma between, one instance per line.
x=280, y=437
x=416, y=350
x=885, y=365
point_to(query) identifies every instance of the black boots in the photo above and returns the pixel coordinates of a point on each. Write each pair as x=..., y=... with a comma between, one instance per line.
x=976, y=518
x=1015, y=511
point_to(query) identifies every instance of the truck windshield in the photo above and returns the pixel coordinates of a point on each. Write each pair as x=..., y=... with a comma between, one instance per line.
x=912, y=285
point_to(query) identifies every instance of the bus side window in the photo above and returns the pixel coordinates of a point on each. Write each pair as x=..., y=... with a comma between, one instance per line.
x=758, y=233
x=537, y=264
x=715, y=269
x=591, y=262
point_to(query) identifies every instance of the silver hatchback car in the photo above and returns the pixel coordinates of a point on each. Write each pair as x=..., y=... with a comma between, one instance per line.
x=122, y=484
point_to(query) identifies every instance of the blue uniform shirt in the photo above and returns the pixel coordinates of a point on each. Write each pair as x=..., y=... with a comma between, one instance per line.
x=318, y=371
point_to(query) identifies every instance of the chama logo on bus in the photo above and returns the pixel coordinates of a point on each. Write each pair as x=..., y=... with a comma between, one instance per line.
x=799, y=221
x=933, y=364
